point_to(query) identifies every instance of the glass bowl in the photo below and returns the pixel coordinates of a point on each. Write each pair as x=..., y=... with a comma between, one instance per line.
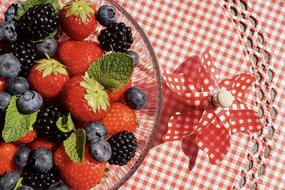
x=147, y=77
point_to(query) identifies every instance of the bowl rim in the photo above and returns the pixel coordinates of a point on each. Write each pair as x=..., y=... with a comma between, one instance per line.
x=159, y=88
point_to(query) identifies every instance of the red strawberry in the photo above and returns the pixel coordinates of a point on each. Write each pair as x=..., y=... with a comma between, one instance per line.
x=30, y=137
x=48, y=77
x=85, y=98
x=79, y=176
x=117, y=95
x=119, y=118
x=7, y=153
x=78, y=19
x=42, y=142
x=80, y=124
x=2, y=84
x=78, y=56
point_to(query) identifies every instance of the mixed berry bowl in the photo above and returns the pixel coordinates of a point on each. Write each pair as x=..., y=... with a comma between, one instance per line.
x=80, y=95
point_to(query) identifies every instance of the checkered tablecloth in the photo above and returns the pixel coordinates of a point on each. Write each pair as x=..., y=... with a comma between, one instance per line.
x=179, y=29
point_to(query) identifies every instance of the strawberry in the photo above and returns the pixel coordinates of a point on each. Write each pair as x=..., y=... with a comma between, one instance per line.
x=80, y=124
x=85, y=98
x=78, y=19
x=2, y=84
x=118, y=94
x=79, y=176
x=28, y=138
x=48, y=77
x=42, y=142
x=78, y=56
x=119, y=118
x=7, y=153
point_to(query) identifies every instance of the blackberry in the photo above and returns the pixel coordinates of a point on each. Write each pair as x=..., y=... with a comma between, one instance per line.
x=39, y=180
x=26, y=52
x=116, y=37
x=39, y=22
x=45, y=125
x=124, y=145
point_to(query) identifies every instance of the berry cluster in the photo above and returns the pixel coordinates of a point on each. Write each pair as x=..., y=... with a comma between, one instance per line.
x=116, y=37
x=124, y=145
x=25, y=51
x=39, y=180
x=39, y=22
x=54, y=91
x=46, y=124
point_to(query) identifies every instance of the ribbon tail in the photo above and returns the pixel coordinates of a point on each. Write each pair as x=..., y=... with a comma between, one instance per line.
x=239, y=85
x=182, y=125
x=245, y=120
x=224, y=117
x=191, y=149
x=189, y=67
x=239, y=105
x=214, y=140
x=199, y=100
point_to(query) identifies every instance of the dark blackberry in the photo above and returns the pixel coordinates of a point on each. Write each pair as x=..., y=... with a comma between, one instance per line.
x=124, y=145
x=26, y=52
x=116, y=37
x=39, y=180
x=39, y=22
x=45, y=125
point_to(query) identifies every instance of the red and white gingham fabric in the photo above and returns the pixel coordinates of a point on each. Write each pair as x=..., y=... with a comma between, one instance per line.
x=178, y=30
x=195, y=83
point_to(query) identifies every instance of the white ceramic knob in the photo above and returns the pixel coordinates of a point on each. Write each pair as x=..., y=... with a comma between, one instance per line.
x=223, y=98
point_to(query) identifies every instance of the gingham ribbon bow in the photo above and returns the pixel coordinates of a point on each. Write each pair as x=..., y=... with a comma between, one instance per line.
x=219, y=107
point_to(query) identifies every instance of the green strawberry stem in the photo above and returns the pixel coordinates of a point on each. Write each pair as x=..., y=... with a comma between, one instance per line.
x=50, y=66
x=47, y=55
x=80, y=8
x=96, y=96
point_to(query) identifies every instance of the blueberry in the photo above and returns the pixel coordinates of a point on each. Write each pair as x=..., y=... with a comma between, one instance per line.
x=12, y=11
x=100, y=150
x=135, y=98
x=1, y=33
x=95, y=131
x=134, y=55
x=9, y=180
x=22, y=156
x=25, y=187
x=29, y=102
x=9, y=66
x=17, y=86
x=49, y=46
x=9, y=31
x=43, y=160
x=58, y=186
x=106, y=15
x=4, y=100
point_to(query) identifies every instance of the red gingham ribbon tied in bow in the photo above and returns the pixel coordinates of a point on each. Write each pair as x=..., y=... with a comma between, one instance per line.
x=219, y=107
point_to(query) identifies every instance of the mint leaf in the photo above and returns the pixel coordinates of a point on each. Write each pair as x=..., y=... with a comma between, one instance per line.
x=75, y=144
x=112, y=70
x=30, y=3
x=65, y=124
x=18, y=184
x=17, y=125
